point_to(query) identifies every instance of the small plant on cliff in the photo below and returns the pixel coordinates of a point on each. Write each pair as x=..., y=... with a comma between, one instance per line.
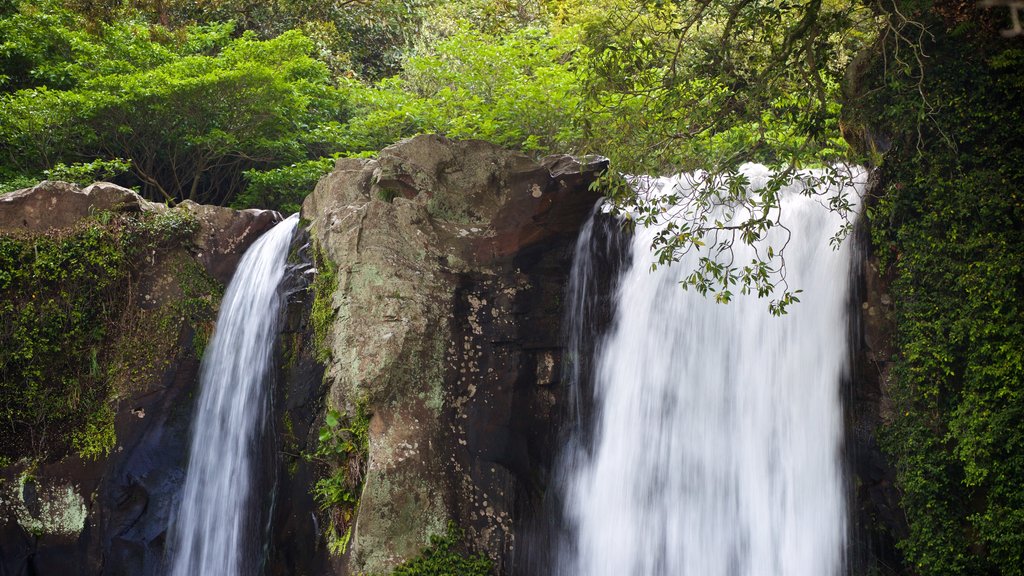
x=342, y=451
x=443, y=557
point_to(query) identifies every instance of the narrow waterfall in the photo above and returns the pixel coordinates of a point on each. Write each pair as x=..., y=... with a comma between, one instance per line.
x=211, y=533
x=717, y=429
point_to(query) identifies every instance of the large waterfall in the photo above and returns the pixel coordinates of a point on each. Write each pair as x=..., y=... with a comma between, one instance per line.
x=212, y=533
x=716, y=429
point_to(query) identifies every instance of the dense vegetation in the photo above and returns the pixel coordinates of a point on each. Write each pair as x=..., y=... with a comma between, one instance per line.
x=64, y=298
x=950, y=225
x=246, y=103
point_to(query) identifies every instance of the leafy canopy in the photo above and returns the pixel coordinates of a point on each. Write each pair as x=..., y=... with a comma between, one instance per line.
x=191, y=110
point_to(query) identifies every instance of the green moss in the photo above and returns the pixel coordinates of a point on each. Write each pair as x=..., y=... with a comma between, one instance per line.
x=324, y=284
x=96, y=438
x=450, y=209
x=444, y=557
x=147, y=339
x=290, y=443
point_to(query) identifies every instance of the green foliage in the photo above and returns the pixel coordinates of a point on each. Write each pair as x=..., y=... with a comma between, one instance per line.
x=11, y=182
x=61, y=296
x=337, y=443
x=361, y=37
x=192, y=109
x=951, y=228
x=46, y=44
x=84, y=173
x=518, y=90
x=443, y=558
x=342, y=450
x=282, y=189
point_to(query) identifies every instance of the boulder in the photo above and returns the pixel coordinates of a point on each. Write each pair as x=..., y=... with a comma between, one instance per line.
x=51, y=204
x=451, y=260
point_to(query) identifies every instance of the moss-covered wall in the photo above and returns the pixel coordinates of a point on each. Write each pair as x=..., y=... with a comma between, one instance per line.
x=947, y=221
x=106, y=303
x=65, y=303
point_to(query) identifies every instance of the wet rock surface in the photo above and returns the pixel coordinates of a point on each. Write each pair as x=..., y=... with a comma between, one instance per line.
x=877, y=521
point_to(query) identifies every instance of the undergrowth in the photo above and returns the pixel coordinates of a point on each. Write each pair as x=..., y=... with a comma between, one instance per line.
x=62, y=295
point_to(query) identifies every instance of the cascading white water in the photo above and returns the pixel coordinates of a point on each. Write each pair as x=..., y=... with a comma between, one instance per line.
x=210, y=535
x=717, y=428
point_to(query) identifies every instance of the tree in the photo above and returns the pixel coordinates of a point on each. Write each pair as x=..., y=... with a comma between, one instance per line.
x=192, y=110
x=710, y=84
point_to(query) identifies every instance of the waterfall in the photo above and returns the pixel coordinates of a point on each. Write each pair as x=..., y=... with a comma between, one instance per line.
x=212, y=534
x=717, y=429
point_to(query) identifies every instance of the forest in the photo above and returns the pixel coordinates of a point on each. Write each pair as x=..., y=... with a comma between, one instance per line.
x=247, y=103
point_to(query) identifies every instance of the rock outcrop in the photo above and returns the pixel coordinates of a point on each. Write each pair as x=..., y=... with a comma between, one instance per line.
x=451, y=260
x=76, y=517
x=52, y=204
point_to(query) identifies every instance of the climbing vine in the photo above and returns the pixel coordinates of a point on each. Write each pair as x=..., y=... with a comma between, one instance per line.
x=950, y=228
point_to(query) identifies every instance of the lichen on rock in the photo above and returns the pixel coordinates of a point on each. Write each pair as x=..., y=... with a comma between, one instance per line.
x=442, y=252
x=53, y=509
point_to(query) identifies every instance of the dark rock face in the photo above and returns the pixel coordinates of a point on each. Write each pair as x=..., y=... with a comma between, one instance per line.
x=296, y=546
x=452, y=264
x=74, y=517
x=877, y=522
x=225, y=234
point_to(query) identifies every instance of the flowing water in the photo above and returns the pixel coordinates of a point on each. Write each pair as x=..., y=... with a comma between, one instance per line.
x=716, y=431
x=212, y=534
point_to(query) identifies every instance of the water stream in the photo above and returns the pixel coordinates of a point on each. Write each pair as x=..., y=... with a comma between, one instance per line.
x=714, y=447
x=213, y=533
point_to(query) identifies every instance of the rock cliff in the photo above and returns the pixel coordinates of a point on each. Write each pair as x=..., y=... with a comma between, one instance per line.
x=451, y=262
x=64, y=510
